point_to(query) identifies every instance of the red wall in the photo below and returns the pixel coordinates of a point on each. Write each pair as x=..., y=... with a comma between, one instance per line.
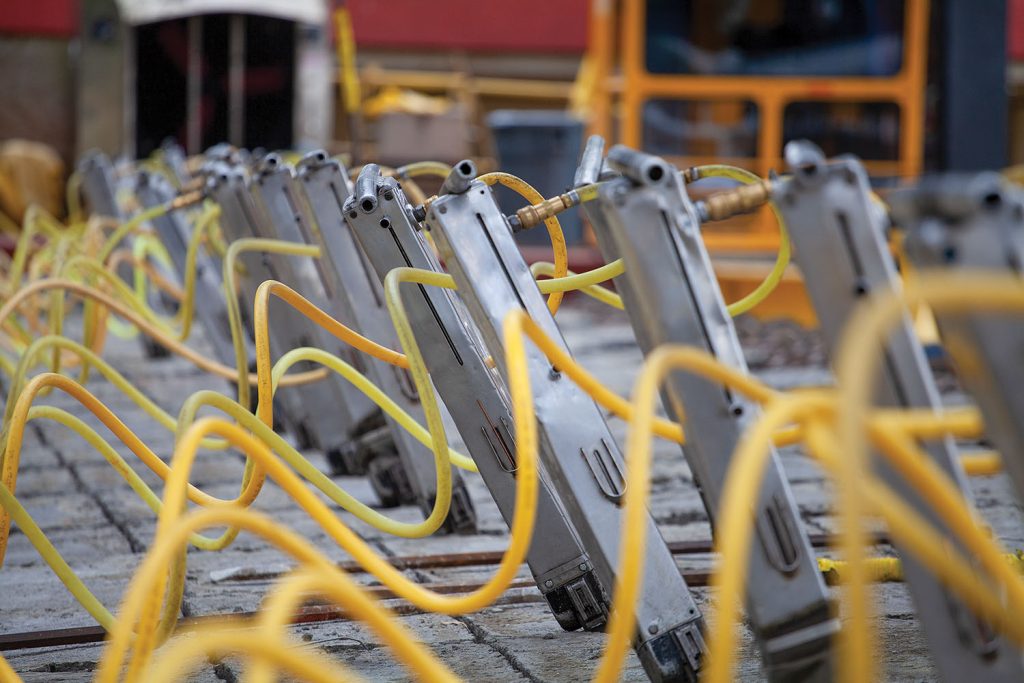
x=476, y=25
x=1016, y=28
x=56, y=18
x=479, y=25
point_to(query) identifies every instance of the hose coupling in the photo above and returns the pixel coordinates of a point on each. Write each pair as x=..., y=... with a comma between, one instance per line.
x=186, y=199
x=731, y=203
x=420, y=212
x=196, y=183
x=535, y=214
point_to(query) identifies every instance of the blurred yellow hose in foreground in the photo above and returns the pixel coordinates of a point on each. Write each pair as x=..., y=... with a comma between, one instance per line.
x=855, y=371
x=145, y=594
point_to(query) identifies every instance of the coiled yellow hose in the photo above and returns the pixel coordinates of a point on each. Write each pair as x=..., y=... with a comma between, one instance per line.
x=554, y=228
x=782, y=258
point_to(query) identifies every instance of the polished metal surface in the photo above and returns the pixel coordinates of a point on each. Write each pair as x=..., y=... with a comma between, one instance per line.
x=476, y=245
x=672, y=297
x=476, y=398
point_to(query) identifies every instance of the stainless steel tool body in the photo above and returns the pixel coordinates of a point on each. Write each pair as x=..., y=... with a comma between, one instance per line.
x=175, y=233
x=578, y=451
x=337, y=409
x=477, y=400
x=99, y=186
x=672, y=296
x=240, y=217
x=358, y=300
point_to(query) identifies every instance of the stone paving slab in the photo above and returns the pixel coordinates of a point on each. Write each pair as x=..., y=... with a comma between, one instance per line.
x=101, y=528
x=102, y=541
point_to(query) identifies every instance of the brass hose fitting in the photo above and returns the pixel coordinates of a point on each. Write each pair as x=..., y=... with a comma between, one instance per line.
x=185, y=200
x=743, y=199
x=530, y=216
x=535, y=214
x=194, y=164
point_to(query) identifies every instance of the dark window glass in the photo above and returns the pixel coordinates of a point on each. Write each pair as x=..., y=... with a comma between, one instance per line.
x=161, y=69
x=726, y=129
x=870, y=130
x=213, y=105
x=775, y=37
x=269, y=82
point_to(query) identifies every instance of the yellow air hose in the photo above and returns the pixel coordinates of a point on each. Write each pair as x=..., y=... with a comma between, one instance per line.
x=554, y=228
x=838, y=426
x=515, y=370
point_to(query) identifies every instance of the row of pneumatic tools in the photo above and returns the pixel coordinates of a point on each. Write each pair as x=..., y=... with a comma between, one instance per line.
x=366, y=225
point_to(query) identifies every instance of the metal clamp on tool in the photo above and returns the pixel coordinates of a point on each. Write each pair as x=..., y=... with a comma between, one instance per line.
x=358, y=301
x=209, y=304
x=99, y=183
x=240, y=218
x=477, y=401
x=976, y=222
x=173, y=157
x=838, y=233
x=672, y=296
x=374, y=450
x=576, y=448
x=338, y=411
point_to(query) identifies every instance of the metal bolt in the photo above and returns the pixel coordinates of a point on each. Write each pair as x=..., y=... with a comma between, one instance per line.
x=652, y=629
x=385, y=222
x=583, y=566
x=353, y=214
x=389, y=195
x=443, y=209
x=549, y=583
